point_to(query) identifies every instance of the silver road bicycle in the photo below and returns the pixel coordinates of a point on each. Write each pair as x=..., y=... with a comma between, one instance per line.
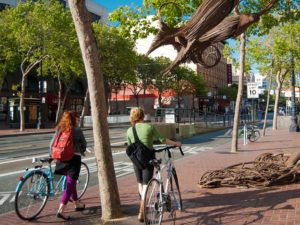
x=162, y=197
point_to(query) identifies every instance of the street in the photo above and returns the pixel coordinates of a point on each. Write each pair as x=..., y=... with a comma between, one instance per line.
x=17, y=153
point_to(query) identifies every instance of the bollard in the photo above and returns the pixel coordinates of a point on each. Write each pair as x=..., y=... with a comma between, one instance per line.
x=245, y=135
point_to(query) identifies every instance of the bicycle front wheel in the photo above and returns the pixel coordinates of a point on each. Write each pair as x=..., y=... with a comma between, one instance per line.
x=153, y=203
x=174, y=192
x=254, y=136
x=32, y=195
x=83, y=180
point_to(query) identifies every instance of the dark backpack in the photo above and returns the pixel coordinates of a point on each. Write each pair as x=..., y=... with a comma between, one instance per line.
x=63, y=147
x=139, y=153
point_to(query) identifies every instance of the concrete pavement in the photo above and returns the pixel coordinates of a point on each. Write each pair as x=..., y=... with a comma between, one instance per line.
x=279, y=205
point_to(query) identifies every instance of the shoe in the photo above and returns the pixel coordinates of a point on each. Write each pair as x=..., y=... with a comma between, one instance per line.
x=61, y=216
x=81, y=208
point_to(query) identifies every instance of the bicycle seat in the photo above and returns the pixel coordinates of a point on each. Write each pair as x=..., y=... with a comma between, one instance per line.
x=46, y=160
x=155, y=162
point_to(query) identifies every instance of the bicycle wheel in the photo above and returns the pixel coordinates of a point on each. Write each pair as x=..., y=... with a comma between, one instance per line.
x=83, y=180
x=254, y=136
x=174, y=192
x=153, y=203
x=32, y=195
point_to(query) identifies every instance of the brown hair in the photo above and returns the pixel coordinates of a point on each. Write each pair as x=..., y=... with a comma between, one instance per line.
x=136, y=114
x=67, y=121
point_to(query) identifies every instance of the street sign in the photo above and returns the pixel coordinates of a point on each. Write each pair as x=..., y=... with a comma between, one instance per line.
x=252, y=90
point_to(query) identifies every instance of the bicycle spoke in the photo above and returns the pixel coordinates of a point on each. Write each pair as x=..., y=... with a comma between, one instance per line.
x=153, y=203
x=32, y=196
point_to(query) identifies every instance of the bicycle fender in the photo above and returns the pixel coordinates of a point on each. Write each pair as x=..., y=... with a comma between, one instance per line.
x=26, y=176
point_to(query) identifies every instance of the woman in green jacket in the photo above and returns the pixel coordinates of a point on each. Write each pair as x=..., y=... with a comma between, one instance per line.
x=147, y=133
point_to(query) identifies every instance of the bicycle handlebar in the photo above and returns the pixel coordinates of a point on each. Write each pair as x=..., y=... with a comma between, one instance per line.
x=168, y=147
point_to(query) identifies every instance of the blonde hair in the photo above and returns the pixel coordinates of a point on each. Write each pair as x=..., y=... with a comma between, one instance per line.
x=136, y=114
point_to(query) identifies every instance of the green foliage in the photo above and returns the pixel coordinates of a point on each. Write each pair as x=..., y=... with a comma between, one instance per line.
x=137, y=22
x=160, y=82
x=37, y=29
x=274, y=50
x=117, y=55
x=15, y=88
x=230, y=92
x=146, y=70
x=63, y=49
x=281, y=13
x=133, y=23
x=187, y=82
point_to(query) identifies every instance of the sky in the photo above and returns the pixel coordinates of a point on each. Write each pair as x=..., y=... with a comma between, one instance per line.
x=110, y=5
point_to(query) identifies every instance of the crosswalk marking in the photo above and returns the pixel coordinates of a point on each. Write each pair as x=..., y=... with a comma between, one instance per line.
x=195, y=150
x=4, y=196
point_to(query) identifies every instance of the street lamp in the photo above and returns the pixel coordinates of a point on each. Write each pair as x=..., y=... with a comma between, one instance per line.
x=294, y=125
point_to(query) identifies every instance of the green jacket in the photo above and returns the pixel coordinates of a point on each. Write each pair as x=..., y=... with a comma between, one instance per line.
x=147, y=133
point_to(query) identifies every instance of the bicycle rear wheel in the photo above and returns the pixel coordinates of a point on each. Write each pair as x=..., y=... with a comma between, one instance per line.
x=174, y=192
x=153, y=203
x=32, y=195
x=254, y=136
x=83, y=180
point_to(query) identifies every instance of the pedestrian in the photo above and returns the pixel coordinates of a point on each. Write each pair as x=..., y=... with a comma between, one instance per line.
x=147, y=133
x=71, y=168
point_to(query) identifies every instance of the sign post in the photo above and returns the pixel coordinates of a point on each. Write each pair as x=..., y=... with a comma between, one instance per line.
x=252, y=92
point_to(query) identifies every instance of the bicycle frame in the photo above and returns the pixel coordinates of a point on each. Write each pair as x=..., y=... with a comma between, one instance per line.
x=169, y=167
x=60, y=186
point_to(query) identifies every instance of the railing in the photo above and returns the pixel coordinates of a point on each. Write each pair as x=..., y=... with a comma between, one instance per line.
x=207, y=119
x=288, y=111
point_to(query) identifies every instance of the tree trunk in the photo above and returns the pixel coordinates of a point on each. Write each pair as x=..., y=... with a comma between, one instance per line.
x=144, y=94
x=62, y=104
x=85, y=108
x=137, y=100
x=267, y=106
x=124, y=99
x=22, y=103
x=278, y=90
x=59, y=100
x=110, y=200
x=239, y=98
x=159, y=100
x=117, y=105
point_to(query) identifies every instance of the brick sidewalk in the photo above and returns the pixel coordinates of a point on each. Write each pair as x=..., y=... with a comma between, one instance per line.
x=278, y=205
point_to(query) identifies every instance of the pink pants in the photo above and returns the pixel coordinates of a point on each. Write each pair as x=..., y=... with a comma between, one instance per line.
x=70, y=191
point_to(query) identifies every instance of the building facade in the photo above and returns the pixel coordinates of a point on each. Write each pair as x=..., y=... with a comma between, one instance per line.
x=215, y=77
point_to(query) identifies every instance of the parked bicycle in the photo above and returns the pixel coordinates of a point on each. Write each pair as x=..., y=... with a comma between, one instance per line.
x=253, y=133
x=160, y=197
x=39, y=183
